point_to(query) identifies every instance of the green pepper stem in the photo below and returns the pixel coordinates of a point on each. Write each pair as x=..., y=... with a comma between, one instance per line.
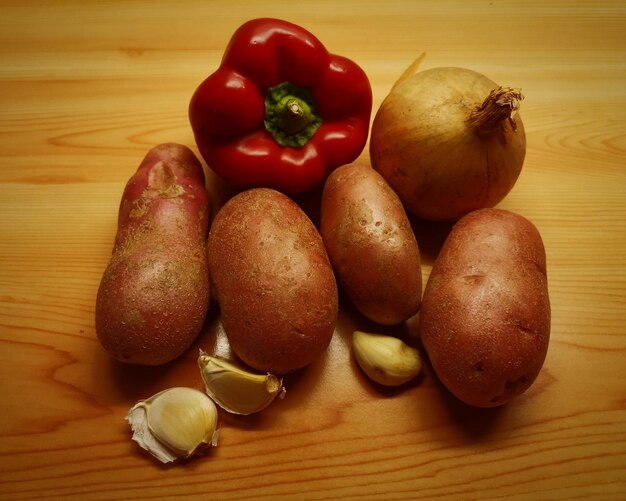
x=290, y=115
x=294, y=115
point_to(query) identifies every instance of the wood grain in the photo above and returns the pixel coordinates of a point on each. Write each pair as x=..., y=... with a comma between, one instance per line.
x=86, y=88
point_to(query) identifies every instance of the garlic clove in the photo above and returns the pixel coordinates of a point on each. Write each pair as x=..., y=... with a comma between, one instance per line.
x=385, y=359
x=235, y=389
x=174, y=423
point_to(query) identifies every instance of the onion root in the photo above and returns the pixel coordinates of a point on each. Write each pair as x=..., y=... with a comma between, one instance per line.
x=500, y=105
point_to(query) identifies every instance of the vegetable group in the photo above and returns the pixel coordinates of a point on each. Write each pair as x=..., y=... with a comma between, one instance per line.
x=273, y=281
x=154, y=294
x=447, y=143
x=485, y=317
x=281, y=116
x=281, y=111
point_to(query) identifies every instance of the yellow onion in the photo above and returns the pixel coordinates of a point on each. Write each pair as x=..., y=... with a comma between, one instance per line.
x=448, y=141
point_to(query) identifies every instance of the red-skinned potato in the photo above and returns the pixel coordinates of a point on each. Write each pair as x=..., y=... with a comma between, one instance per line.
x=273, y=281
x=154, y=294
x=371, y=244
x=485, y=316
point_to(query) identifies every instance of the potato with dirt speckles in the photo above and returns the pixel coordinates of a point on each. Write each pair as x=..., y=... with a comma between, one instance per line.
x=273, y=281
x=154, y=294
x=485, y=317
x=371, y=245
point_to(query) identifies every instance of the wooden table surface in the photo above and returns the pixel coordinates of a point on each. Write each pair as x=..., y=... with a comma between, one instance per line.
x=86, y=88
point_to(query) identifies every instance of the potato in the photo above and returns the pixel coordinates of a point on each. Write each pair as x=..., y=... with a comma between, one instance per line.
x=154, y=294
x=273, y=281
x=485, y=316
x=371, y=244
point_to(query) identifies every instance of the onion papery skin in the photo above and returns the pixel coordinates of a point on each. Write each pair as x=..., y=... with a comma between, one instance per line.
x=441, y=165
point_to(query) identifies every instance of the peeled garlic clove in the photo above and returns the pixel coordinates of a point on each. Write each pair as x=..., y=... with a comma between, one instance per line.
x=385, y=359
x=235, y=389
x=175, y=423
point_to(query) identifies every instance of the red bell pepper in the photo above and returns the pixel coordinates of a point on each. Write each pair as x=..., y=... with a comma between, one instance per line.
x=280, y=111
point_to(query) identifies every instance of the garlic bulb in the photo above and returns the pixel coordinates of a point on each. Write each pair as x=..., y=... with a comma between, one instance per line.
x=175, y=423
x=235, y=389
x=385, y=359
